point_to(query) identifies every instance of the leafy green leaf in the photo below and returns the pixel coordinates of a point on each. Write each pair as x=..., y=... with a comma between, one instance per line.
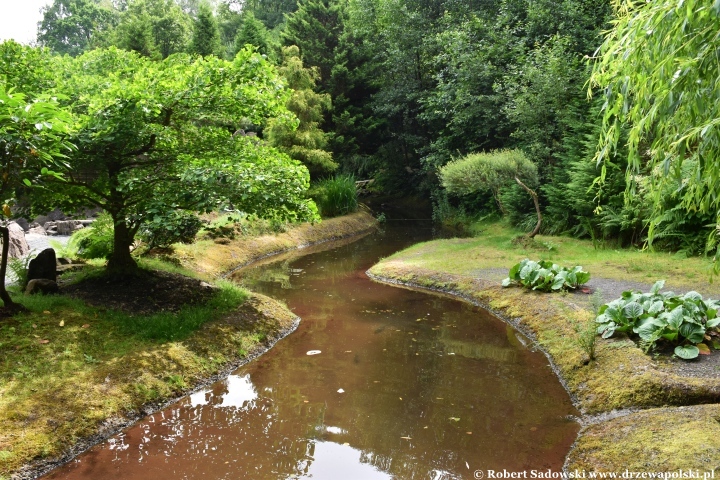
x=657, y=286
x=687, y=352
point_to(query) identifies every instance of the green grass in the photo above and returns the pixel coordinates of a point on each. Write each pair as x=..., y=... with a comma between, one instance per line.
x=97, y=363
x=493, y=247
x=336, y=196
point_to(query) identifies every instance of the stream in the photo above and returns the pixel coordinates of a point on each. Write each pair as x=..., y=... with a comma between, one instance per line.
x=406, y=385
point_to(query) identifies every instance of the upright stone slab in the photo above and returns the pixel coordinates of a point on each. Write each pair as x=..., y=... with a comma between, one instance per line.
x=43, y=266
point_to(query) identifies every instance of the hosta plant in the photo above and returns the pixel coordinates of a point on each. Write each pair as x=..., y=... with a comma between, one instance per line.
x=545, y=276
x=686, y=321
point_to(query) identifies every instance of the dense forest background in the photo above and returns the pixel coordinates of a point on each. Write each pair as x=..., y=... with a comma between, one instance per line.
x=392, y=90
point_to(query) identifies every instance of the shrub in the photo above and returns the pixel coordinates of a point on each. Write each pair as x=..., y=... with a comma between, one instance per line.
x=684, y=321
x=95, y=241
x=545, y=276
x=176, y=226
x=336, y=196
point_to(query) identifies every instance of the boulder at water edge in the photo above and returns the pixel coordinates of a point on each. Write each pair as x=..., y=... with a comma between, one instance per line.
x=43, y=266
x=18, y=245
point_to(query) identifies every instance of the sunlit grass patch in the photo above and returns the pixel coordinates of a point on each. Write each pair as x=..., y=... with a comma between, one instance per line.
x=493, y=247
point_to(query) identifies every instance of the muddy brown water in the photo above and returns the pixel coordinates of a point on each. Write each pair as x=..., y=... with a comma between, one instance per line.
x=407, y=385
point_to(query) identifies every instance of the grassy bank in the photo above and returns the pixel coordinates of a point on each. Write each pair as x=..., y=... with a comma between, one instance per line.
x=72, y=373
x=621, y=377
x=211, y=258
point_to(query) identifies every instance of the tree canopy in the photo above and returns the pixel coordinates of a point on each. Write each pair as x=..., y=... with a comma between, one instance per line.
x=156, y=136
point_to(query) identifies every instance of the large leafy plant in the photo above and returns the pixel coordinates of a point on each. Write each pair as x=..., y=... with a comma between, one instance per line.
x=546, y=276
x=683, y=320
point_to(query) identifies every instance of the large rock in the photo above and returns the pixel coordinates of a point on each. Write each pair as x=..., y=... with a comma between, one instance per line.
x=18, y=245
x=63, y=227
x=41, y=285
x=43, y=266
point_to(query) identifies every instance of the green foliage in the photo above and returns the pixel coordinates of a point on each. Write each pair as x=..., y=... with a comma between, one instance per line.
x=206, y=35
x=657, y=70
x=94, y=241
x=315, y=28
x=252, y=32
x=19, y=268
x=74, y=26
x=166, y=228
x=545, y=276
x=493, y=170
x=682, y=320
x=336, y=196
x=307, y=142
x=157, y=136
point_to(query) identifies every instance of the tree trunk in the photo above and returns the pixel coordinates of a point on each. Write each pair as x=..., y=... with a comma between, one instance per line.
x=537, y=207
x=4, y=295
x=120, y=261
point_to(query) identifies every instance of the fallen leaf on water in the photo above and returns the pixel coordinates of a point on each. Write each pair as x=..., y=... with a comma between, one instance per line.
x=414, y=339
x=306, y=401
x=43, y=342
x=341, y=390
x=46, y=312
x=455, y=419
x=314, y=352
x=346, y=444
x=438, y=398
x=704, y=349
x=469, y=433
x=425, y=427
x=376, y=381
x=86, y=325
x=348, y=351
x=62, y=323
x=400, y=398
x=406, y=438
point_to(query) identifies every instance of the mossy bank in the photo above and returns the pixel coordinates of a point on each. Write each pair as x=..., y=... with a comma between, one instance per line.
x=108, y=368
x=214, y=258
x=622, y=379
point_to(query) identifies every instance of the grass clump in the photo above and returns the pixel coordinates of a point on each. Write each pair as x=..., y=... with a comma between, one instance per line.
x=336, y=196
x=173, y=326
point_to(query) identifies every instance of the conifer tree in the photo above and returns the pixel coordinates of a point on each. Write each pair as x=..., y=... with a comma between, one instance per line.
x=252, y=32
x=306, y=143
x=206, y=35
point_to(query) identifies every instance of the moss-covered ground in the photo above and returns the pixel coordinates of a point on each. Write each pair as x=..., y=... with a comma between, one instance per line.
x=621, y=377
x=71, y=373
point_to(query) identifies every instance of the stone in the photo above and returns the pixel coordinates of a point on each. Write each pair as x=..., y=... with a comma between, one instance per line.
x=43, y=266
x=41, y=285
x=50, y=228
x=39, y=230
x=207, y=286
x=23, y=223
x=66, y=268
x=18, y=245
x=63, y=261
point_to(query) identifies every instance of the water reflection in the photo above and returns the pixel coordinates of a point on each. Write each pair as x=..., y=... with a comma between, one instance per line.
x=407, y=386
